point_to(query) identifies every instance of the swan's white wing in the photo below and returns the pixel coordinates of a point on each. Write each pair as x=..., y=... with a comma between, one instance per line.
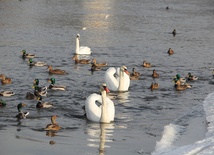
x=126, y=82
x=84, y=50
x=93, y=112
x=111, y=82
x=110, y=109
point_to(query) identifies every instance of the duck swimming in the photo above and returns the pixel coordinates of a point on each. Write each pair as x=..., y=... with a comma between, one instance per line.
x=191, y=77
x=80, y=61
x=31, y=96
x=41, y=104
x=155, y=74
x=170, y=51
x=7, y=93
x=6, y=80
x=2, y=103
x=39, y=90
x=21, y=114
x=56, y=71
x=146, y=64
x=27, y=55
x=180, y=87
x=154, y=86
x=53, y=126
x=38, y=64
x=55, y=87
x=94, y=61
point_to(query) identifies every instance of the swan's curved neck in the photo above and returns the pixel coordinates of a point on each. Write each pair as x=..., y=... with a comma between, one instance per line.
x=77, y=45
x=121, y=81
x=104, y=115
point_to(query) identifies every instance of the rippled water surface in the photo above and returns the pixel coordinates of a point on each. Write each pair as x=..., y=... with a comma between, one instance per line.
x=120, y=33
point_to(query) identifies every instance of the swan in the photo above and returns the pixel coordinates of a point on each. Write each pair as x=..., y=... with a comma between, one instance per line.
x=103, y=113
x=119, y=83
x=81, y=49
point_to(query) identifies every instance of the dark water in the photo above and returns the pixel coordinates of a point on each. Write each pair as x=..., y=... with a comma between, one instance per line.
x=120, y=33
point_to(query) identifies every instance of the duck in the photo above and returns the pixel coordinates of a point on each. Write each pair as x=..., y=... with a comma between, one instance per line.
x=146, y=64
x=52, y=86
x=154, y=86
x=174, y=32
x=21, y=114
x=41, y=104
x=170, y=51
x=81, y=49
x=2, y=103
x=27, y=55
x=103, y=113
x=38, y=64
x=53, y=126
x=95, y=68
x=117, y=80
x=31, y=96
x=94, y=61
x=39, y=90
x=191, y=77
x=180, y=87
x=7, y=93
x=6, y=80
x=56, y=71
x=80, y=61
x=155, y=74
x=134, y=75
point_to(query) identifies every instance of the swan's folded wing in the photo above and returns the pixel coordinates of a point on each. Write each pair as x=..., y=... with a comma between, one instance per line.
x=111, y=82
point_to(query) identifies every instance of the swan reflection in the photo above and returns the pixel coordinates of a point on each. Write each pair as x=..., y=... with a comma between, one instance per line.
x=123, y=97
x=99, y=135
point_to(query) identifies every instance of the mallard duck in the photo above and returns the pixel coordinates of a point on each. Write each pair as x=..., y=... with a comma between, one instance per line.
x=2, y=103
x=81, y=61
x=54, y=126
x=6, y=80
x=180, y=87
x=56, y=71
x=170, y=51
x=146, y=64
x=95, y=68
x=155, y=74
x=38, y=64
x=94, y=61
x=31, y=96
x=41, y=104
x=191, y=77
x=7, y=93
x=39, y=90
x=27, y=55
x=154, y=86
x=21, y=114
x=55, y=87
x=134, y=75
x=174, y=32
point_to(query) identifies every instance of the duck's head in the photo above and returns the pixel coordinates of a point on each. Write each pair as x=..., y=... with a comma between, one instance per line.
x=30, y=60
x=35, y=86
x=178, y=76
x=36, y=81
x=19, y=106
x=23, y=52
x=52, y=80
x=3, y=103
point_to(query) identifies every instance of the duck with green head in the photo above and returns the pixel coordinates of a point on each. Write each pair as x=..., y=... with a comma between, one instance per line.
x=27, y=55
x=39, y=90
x=21, y=114
x=2, y=103
x=33, y=63
x=55, y=87
x=41, y=104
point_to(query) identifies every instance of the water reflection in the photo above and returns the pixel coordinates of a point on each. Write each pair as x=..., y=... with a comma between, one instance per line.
x=100, y=133
x=123, y=97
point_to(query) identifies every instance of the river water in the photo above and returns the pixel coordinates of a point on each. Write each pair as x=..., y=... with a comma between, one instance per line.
x=119, y=33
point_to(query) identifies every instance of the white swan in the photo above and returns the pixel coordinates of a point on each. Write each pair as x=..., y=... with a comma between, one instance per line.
x=117, y=80
x=100, y=113
x=81, y=49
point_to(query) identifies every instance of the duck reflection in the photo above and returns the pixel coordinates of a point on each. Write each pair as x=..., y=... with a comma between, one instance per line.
x=100, y=133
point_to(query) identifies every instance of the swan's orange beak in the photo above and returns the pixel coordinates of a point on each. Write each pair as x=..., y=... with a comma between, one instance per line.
x=107, y=90
x=127, y=72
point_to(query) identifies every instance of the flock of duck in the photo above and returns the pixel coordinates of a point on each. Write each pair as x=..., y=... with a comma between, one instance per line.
x=115, y=79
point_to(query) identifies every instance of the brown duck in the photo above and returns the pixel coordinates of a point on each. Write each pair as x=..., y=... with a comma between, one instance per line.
x=54, y=126
x=56, y=71
x=80, y=61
